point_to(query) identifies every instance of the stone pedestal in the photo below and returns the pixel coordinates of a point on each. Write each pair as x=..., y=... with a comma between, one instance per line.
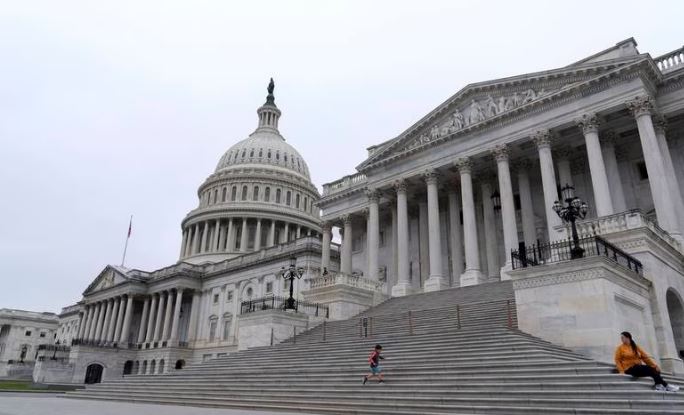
x=263, y=328
x=346, y=295
x=434, y=284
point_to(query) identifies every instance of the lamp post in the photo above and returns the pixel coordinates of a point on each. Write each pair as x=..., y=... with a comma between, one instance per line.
x=574, y=208
x=291, y=273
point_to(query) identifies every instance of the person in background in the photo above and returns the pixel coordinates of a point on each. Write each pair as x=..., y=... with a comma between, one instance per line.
x=633, y=360
x=375, y=368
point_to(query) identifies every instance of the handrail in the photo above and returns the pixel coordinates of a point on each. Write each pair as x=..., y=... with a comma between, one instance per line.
x=274, y=302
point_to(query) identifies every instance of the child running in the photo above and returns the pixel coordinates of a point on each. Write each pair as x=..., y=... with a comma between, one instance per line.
x=375, y=368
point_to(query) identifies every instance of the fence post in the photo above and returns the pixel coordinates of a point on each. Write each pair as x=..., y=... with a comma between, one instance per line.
x=324, y=326
x=360, y=327
x=458, y=316
x=508, y=311
x=294, y=334
x=271, y=336
x=410, y=319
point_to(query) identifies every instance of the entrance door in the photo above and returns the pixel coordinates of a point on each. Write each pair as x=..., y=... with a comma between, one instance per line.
x=93, y=373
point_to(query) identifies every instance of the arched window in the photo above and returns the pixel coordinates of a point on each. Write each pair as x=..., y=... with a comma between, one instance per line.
x=244, y=153
x=277, y=155
x=269, y=154
x=285, y=157
x=267, y=194
x=288, y=198
x=244, y=192
x=223, y=195
x=233, y=193
x=255, y=194
x=260, y=153
x=297, y=201
x=306, y=203
x=153, y=366
x=213, y=321
x=215, y=195
x=161, y=366
x=277, y=195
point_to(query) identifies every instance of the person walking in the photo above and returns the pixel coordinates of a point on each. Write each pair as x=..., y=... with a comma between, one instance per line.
x=375, y=368
x=632, y=360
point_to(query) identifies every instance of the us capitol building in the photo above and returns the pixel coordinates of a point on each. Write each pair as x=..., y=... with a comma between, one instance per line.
x=471, y=193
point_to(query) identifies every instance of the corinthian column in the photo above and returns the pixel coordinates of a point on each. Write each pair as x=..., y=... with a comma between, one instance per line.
x=373, y=233
x=641, y=108
x=472, y=274
x=257, y=236
x=403, y=287
x=149, y=336
x=217, y=232
x=160, y=318
x=127, y=320
x=176, y=315
x=510, y=226
x=543, y=141
x=455, y=235
x=184, y=242
x=143, y=320
x=668, y=167
x=436, y=280
x=346, y=262
x=325, y=248
x=244, y=237
x=526, y=206
x=599, y=179
x=167, y=317
x=489, y=225
x=195, y=239
x=612, y=171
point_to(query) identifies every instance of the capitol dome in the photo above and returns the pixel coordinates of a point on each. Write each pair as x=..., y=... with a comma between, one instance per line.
x=260, y=195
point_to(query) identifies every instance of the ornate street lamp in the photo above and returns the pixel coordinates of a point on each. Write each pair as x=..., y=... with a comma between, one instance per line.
x=574, y=208
x=496, y=200
x=291, y=273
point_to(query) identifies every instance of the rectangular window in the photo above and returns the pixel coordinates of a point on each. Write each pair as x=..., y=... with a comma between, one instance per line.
x=212, y=330
x=269, y=287
x=28, y=333
x=216, y=298
x=226, y=329
x=229, y=296
x=42, y=334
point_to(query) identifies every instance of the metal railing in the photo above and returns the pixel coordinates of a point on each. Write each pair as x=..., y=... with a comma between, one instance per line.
x=560, y=251
x=274, y=302
x=101, y=344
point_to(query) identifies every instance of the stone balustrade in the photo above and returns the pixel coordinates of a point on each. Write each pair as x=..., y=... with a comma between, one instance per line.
x=334, y=278
x=345, y=183
x=671, y=61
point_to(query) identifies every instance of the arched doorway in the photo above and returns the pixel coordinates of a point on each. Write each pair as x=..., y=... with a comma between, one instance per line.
x=180, y=364
x=675, y=310
x=128, y=367
x=93, y=373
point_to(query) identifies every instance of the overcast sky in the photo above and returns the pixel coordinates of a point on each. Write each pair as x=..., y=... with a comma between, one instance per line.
x=109, y=109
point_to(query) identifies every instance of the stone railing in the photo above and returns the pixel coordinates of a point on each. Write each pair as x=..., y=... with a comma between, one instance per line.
x=632, y=219
x=347, y=182
x=334, y=278
x=671, y=61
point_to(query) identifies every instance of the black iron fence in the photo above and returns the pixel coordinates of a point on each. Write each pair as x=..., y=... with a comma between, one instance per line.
x=101, y=344
x=274, y=302
x=565, y=250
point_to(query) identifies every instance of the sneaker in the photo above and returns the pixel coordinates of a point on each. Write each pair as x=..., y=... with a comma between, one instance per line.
x=672, y=388
x=365, y=379
x=381, y=381
x=660, y=388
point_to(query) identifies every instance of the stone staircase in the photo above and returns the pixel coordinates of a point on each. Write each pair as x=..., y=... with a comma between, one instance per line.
x=458, y=352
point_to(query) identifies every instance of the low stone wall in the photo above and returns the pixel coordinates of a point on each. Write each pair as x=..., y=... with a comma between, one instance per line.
x=54, y=371
x=16, y=370
x=260, y=328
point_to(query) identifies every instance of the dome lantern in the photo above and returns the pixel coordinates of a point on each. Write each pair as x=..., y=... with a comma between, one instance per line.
x=269, y=112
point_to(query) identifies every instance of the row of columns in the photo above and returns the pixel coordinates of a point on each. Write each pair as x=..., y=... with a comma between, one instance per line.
x=107, y=321
x=161, y=316
x=217, y=235
x=607, y=195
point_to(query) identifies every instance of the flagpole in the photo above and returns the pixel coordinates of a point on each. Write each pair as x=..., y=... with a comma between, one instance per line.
x=128, y=236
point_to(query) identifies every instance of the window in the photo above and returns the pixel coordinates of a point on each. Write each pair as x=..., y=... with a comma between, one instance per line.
x=288, y=199
x=226, y=327
x=260, y=153
x=643, y=172
x=269, y=287
x=251, y=153
x=306, y=203
x=255, y=195
x=297, y=201
x=382, y=237
x=269, y=154
x=215, y=195
x=28, y=333
x=250, y=291
x=223, y=196
x=42, y=334
x=244, y=192
x=233, y=193
x=212, y=330
x=229, y=296
x=357, y=243
x=277, y=195
x=267, y=194
x=244, y=153
x=216, y=298
x=285, y=157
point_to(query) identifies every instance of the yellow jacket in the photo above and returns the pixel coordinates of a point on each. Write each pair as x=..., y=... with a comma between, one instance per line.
x=626, y=358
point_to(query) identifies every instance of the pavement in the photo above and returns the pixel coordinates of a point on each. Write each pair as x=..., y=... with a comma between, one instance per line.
x=53, y=404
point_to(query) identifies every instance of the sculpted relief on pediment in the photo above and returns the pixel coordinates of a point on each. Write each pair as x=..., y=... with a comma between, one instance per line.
x=477, y=111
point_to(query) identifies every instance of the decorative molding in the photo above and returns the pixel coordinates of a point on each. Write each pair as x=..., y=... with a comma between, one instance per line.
x=542, y=139
x=431, y=176
x=641, y=105
x=346, y=219
x=464, y=165
x=588, y=123
x=501, y=152
x=400, y=186
x=373, y=194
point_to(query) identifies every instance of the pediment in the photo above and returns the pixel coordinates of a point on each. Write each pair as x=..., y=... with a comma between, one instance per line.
x=479, y=104
x=109, y=277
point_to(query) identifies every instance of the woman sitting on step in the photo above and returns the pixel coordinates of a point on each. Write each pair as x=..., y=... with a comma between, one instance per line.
x=633, y=360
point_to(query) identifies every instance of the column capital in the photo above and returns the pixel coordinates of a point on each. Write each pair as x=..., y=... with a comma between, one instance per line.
x=346, y=219
x=326, y=226
x=431, y=176
x=400, y=186
x=660, y=124
x=364, y=212
x=501, y=152
x=373, y=194
x=609, y=138
x=542, y=139
x=641, y=105
x=464, y=165
x=588, y=123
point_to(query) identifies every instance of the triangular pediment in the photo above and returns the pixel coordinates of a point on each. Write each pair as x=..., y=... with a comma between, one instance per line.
x=109, y=277
x=480, y=104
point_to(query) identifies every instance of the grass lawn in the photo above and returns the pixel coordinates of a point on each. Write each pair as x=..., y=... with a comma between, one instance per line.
x=28, y=386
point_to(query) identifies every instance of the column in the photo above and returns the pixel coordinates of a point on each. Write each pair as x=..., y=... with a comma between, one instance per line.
x=668, y=167
x=526, y=206
x=127, y=320
x=106, y=320
x=286, y=233
x=244, y=236
x=167, y=316
x=641, y=108
x=436, y=280
x=257, y=237
x=562, y=157
x=373, y=233
x=392, y=276
x=599, y=179
x=230, y=241
x=403, y=286
x=489, y=222
x=151, y=320
x=90, y=333
x=100, y=320
x=143, y=320
x=543, y=141
x=114, y=320
x=176, y=315
x=195, y=239
x=325, y=247
x=472, y=274
x=160, y=317
x=119, y=320
x=510, y=226
x=614, y=182
x=194, y=310
x=423, y=245
x=84, y=321
x=299, y=232
x=271, y=233
x=205, y=243
x=455, y=236
x=184, y=241
x=346, y=260
x=215, y=243
x=221, y=245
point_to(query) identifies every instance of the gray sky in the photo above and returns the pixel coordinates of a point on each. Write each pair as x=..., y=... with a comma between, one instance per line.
x=115, y=108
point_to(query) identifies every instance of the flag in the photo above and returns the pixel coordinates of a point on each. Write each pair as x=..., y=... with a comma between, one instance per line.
x=130, y=226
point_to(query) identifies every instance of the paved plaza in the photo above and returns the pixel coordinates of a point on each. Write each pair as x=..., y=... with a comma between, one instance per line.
x=40, y=404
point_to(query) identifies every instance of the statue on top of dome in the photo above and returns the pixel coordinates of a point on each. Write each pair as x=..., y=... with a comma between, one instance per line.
x=270, y=98
x=271, y=86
